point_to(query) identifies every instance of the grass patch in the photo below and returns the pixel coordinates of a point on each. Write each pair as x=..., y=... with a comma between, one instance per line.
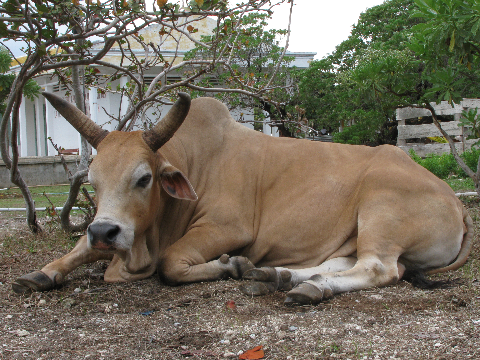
x=18, y=240
x=460, y=184
x=13, y=198
x=445, y=167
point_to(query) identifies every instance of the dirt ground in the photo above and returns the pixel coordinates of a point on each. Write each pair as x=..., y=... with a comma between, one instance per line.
x=90, y=319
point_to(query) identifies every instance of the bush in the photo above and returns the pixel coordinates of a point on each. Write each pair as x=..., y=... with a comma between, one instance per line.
x=366, y=129
x=471, y=159
x=441, y=165
x=445, y=165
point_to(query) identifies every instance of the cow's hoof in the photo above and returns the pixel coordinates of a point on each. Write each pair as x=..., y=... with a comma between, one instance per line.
x=242, y=264
x=35, y=281
x=237, y=265
x=261, y=274
x=280, y=281
x=304, y=294
x=256, y=288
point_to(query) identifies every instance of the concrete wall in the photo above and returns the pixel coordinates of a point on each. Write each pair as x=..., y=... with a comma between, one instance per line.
x=41, y=170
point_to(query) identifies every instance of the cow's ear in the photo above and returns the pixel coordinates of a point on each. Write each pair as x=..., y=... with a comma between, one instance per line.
x=176, y=184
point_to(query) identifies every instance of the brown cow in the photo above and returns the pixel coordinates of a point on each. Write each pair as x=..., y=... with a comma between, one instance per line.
x=316, y=218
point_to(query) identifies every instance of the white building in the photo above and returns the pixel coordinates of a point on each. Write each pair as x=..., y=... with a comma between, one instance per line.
x=39, y=121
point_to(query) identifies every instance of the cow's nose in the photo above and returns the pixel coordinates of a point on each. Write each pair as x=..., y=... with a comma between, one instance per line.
x=103, y=235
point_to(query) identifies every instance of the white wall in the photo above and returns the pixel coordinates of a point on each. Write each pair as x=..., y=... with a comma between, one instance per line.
x=27, y=129
x=41, y=126
x=62, y=133
x=65, y=136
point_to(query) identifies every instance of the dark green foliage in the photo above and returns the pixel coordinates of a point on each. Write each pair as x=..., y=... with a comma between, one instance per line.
x=364, y=131
x=383, y=27
x=347, y=85
x=5, y=60
x=318, y=95
x=400, y=53
x=31, y=89
x=451, y=30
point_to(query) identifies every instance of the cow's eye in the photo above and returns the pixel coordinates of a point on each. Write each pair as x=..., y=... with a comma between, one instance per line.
x=144, y=180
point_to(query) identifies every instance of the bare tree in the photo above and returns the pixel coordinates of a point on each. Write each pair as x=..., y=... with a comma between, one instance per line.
x=258, y=64
x=59, y=35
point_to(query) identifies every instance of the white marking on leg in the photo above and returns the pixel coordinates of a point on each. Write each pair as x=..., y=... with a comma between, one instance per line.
x=367, y=272
x=330, y=266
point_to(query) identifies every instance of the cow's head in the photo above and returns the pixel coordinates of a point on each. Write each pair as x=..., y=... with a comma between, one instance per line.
x=127, y=175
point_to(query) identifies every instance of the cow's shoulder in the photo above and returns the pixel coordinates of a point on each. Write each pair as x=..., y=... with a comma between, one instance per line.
x=210, y=124
x=205, y=111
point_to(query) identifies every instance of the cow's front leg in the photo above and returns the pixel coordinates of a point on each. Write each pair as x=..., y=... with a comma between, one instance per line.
x=177, y=271
x=201, y=255
x=268, y=279
x=54, y=273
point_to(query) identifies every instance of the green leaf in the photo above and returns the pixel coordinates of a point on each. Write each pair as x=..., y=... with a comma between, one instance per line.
x=3, y=30
x=42, y=8
x=475, y=27
x=452, y=41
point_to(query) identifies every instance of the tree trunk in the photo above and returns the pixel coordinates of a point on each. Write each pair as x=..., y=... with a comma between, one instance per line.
x=79, y=177
x=12, y=163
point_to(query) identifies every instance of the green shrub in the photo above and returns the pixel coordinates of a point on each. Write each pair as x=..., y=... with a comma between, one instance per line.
x=441, y=165
x=471, y=159
x=364, y=131
x=445, y=165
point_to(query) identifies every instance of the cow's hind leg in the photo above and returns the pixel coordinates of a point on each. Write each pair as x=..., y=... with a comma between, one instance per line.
x=368, y=272
x=54, y=273
x=268, y=279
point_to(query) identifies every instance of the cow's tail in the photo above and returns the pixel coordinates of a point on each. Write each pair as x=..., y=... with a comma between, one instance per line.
x=464, y=250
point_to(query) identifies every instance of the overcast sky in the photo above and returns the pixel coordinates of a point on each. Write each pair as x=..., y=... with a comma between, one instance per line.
x=320, y=25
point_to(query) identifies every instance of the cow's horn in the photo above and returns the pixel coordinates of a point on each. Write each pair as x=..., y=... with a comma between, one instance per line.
x=93, y=133
x=165, y=128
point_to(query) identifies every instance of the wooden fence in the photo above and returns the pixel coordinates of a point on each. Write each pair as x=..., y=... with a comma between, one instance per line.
x=408, y=132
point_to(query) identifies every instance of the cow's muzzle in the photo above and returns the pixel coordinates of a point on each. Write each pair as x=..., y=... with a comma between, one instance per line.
x=103, y=235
